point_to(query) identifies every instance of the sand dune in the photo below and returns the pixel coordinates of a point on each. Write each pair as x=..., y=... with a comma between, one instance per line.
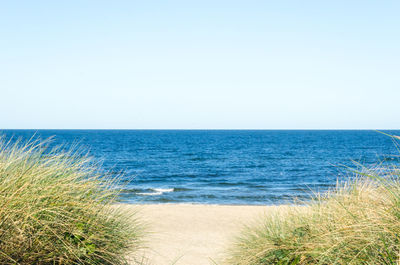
x=185, y=234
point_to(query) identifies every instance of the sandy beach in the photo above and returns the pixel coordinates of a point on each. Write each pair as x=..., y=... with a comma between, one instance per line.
x=185, y=234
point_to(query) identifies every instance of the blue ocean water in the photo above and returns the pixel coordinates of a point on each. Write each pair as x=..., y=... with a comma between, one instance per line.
x=225, y=167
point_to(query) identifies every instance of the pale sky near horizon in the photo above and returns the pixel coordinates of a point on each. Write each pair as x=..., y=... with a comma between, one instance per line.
x=200, y=64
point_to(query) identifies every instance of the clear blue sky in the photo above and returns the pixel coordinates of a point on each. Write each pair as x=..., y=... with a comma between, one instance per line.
x=200, y=64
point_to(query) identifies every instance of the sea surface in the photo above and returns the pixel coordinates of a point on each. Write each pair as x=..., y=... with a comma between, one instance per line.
x=225, y=166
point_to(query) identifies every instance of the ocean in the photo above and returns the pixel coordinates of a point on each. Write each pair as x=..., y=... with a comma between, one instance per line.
x=225, y=166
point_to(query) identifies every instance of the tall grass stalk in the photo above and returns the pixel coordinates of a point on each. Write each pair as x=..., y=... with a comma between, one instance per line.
x=357, y=223
x=57, y=208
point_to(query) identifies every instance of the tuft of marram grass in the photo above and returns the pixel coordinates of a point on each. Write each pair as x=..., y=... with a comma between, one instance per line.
x=357, y=223
x=56, y=208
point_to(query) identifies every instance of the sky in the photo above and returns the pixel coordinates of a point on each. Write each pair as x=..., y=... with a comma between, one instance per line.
x=200, y=64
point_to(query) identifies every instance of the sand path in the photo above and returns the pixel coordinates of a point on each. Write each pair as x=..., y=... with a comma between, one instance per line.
x=185, y=234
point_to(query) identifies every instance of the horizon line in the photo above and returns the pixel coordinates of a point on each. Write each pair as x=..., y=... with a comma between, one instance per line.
x=209, y=129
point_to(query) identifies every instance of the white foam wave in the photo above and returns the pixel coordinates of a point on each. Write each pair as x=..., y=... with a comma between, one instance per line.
x=164, y=190
x=158, y=191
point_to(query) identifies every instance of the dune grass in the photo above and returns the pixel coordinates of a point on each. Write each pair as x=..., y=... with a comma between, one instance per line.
x=357, y=223
x=57, y=208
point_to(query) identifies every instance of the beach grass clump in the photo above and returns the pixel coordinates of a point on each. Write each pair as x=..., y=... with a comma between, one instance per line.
x=356, y=223
x=56, y=207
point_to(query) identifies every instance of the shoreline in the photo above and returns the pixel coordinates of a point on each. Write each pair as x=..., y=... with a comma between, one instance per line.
x=195, y=234
x=207, y=204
